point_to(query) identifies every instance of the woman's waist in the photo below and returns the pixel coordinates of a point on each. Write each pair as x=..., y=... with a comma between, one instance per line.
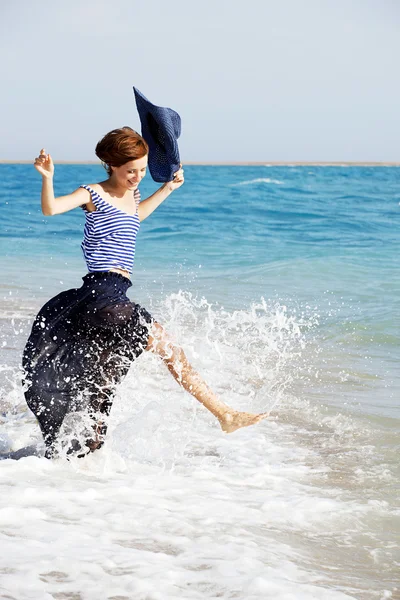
x=122, y=272
x=100, y=261
x=118, y=280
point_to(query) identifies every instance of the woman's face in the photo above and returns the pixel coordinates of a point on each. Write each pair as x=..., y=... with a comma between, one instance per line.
x=131, y=173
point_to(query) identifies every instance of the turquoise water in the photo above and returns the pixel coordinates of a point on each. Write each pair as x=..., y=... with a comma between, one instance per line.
x=283, y=286
x=322, y=240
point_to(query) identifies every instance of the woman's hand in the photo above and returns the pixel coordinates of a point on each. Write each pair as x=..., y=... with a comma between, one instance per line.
x=146, y=207
x=177, y=181
x=44, y=164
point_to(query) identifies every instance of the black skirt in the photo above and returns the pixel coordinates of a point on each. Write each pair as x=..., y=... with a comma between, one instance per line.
x=82, y=344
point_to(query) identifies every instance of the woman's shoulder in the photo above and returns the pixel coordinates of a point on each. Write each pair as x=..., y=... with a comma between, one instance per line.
x=95, y=191
x=95, y=187
x=94, y=196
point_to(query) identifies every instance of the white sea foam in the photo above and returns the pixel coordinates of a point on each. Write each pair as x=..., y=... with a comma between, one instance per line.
x=259, y=180
x=172, y=508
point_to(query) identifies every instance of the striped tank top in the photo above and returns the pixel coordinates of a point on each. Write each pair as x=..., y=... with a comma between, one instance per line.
x=109, y=237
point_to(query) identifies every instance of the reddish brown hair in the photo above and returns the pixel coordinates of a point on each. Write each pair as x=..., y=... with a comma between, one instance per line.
x=119, y=146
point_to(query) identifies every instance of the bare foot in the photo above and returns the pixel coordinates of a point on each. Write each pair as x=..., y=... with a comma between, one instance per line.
x=232, y=420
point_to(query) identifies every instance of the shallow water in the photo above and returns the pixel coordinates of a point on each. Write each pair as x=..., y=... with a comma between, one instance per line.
x=282, y=285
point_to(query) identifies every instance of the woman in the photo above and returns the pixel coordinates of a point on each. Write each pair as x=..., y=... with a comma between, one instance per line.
x=84, y=340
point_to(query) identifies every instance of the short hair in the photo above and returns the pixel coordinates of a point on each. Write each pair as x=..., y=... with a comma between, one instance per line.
x=119, y=146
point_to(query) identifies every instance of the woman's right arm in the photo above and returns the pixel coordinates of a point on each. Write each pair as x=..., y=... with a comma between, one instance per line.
x=51, y=205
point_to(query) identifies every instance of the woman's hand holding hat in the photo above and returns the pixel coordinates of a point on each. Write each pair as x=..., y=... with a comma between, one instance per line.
x=177, y=181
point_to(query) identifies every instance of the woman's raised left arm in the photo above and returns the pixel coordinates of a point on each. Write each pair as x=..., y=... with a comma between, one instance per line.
x=146, y=207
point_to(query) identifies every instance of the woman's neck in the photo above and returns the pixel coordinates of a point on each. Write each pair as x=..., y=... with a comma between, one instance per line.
x=113, y=188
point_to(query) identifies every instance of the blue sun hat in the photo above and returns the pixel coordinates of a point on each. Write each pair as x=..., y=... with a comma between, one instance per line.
x=161, y=127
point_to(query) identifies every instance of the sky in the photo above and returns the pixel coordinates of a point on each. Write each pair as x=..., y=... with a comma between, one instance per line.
x=253, y=80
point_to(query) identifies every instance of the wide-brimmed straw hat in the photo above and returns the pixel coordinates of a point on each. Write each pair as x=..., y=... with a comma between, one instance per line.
x=161, y=127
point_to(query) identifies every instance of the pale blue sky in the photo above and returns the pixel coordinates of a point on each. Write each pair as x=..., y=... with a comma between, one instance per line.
x=261, y=80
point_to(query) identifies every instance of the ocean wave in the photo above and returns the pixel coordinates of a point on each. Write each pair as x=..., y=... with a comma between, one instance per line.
x=303, y=475
x=259, y=180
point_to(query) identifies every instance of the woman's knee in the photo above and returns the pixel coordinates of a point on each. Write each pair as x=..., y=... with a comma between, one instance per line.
x=157, y=338
x=162, y=345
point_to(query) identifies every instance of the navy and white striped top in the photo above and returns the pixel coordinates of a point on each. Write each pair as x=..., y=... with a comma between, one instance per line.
x=109, y=237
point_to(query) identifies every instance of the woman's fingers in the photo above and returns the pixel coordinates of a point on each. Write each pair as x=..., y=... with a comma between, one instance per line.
x=43, y=158
x=178, y=176
x=42, y=155
x=43, y=163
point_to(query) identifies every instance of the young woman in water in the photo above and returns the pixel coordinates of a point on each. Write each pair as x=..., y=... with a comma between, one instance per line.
x=84, y=340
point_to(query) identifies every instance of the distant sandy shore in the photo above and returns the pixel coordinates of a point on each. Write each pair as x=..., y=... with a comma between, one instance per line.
x=266, y=163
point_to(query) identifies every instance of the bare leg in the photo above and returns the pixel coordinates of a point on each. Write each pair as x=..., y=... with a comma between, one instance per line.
x=179, y=366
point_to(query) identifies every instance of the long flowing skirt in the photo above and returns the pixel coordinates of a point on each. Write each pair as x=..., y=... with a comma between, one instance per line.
x=82, y=344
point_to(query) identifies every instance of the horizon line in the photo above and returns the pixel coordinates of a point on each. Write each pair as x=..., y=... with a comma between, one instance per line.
x=266, y=163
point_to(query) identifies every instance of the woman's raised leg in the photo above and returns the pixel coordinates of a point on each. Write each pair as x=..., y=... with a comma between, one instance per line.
x=179, y=366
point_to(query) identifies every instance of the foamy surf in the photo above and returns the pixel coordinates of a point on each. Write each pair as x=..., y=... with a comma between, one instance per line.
x=259, y=180
x=301, y=506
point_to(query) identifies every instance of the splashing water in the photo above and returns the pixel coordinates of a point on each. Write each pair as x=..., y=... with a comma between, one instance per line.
x=302, y=506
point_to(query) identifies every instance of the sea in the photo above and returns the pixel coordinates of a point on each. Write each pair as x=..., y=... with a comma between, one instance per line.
x=282, y=285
